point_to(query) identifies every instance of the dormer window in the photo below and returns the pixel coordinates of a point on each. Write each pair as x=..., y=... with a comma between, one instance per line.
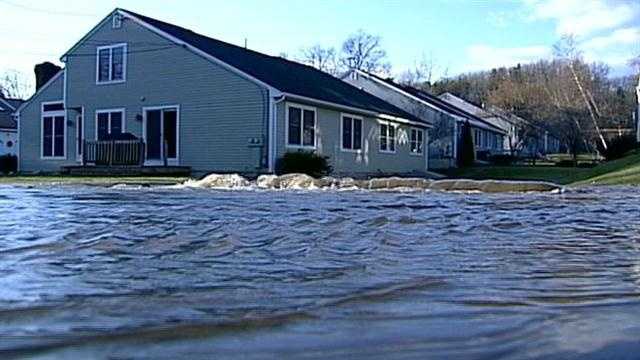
x=111, y=64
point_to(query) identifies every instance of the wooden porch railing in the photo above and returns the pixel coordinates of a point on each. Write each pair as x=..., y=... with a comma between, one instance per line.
x=114, y=152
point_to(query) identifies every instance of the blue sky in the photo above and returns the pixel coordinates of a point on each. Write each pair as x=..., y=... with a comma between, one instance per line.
x=459, y=36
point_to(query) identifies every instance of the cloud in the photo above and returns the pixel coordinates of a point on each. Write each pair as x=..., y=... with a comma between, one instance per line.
x=626, y=36
x=485, y=57
x=583, y=17
x=498, y=19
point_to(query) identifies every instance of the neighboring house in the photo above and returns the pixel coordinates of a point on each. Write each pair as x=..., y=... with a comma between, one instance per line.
x=209, y=105
x=638, y=111
x=8, y=126
x=447, y=119
x=523, y=138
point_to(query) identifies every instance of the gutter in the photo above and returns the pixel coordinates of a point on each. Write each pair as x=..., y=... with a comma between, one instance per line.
x=357, y=110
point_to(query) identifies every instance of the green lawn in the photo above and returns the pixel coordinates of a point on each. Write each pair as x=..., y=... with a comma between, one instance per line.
x=91, y=180
x=625, y=171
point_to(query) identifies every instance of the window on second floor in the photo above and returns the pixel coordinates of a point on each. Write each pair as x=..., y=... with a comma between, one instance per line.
x=111, y=64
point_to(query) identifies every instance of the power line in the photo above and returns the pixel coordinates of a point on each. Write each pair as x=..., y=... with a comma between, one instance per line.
x=46, y=11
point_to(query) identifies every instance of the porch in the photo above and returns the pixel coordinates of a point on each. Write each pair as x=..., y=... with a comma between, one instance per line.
x=124, y=156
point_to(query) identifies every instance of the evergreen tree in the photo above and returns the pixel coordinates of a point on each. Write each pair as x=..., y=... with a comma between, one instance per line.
x=466, y=148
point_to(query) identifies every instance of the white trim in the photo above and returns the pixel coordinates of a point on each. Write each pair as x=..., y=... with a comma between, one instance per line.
x=395, y=137
x=411, y=130
x=315, y=127
x=42, y=88
x=53, y=114
x=353, y=117
x=63, y=58
x=80, y=134
x=7, y=104
x=172, y=161
x=19, y=151
x=109, y=111
x=194, y=49
x=124, y=63
x=272, y=149
x=64, y=87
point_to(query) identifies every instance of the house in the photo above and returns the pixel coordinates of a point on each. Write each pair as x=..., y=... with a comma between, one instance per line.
x=523, y=138
x=447, y=119
x=637, y=115
x=8, y=126
x=209, y=105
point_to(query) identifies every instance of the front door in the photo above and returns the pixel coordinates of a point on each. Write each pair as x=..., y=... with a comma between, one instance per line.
x=161, y=135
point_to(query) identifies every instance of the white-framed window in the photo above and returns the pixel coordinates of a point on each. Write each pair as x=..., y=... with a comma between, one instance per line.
x=111, y=64
x=109, y=122
x=53, y=140
x=476, y=138
x=417, y=141
x=387, y=132
x=351, y=132
x=301, y=126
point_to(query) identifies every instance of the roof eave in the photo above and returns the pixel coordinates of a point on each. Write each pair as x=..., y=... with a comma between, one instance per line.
x=355, y=109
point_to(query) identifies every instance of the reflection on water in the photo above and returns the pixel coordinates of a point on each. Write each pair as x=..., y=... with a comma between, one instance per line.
x=131, y=272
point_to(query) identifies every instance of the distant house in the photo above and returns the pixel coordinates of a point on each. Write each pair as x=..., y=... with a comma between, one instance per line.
x=523, y=138
x=447, y=118
x=8, y=126
x=638, y=111
x=209, y=105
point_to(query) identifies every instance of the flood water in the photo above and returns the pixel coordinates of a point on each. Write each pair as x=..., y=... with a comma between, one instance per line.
x=90, y=272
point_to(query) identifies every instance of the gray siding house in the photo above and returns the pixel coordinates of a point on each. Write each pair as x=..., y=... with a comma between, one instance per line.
x=523, y=138
x=446, y=118
x=209, y=105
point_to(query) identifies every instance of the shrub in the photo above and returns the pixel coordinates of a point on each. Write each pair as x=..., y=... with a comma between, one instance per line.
x=503, y=159
x=8, y=164
x=466, y=148
x=618, y=147
x=303, y=162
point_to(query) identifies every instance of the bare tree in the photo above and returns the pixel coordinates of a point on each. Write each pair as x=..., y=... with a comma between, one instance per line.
x=567, y=50
x=14, y=84
x=421, y=75
x=323, y=59
x=363, y=51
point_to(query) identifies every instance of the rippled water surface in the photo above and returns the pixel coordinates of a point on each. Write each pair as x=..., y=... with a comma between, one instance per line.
x=90, y=272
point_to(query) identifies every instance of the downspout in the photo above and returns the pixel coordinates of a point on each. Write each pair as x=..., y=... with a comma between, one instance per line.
x=426, y=149
x=274, y=100
x=455, y=142
x=17, y=118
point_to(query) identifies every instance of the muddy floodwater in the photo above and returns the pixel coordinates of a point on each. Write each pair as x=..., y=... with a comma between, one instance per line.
x=131, y=272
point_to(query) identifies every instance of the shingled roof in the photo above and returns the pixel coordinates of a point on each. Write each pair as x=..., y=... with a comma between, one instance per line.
x=7, y=121
x=284, y=75
x=436, y=102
